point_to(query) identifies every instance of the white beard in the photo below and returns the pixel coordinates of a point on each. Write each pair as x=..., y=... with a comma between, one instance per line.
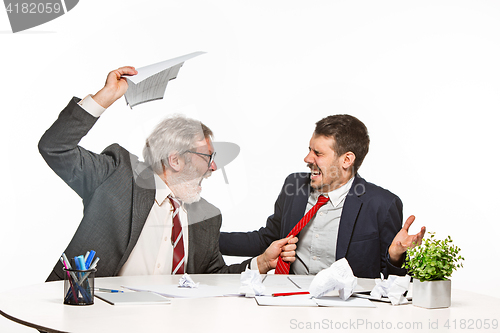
x=186, y=186
x=187, y=193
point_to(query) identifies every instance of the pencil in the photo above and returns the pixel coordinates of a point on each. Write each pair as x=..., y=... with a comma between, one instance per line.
x=292, y=293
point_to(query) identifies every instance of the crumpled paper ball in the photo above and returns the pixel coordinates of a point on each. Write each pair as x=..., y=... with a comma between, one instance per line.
x=338, y=276
x=393, y=288
x=251, y=283
x=187, y=282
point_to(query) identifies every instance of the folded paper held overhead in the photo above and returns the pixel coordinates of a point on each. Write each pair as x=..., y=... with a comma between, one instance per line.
x=393, y=288
x=251, y=283
x=338, y=276
x=151, y=81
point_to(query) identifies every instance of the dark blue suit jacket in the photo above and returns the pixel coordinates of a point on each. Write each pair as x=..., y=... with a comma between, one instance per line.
x=370, y=219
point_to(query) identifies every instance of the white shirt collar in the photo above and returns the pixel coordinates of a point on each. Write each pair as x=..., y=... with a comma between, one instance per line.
x=162, y=190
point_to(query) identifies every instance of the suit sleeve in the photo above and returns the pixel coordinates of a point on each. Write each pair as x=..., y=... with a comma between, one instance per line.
x=391, y=226
x=254, y=243
x=213, y=262
x=81, y=169
x=218, y=265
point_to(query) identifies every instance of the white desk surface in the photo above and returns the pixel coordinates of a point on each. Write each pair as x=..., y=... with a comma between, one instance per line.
x=40, y=306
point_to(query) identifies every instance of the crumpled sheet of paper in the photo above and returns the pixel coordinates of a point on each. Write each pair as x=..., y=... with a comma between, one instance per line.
x=187, y=282
x=393, y=288
x=251, y=283
x=338, y=276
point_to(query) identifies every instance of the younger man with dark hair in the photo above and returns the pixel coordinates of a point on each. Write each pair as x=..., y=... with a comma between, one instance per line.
x=358, y=220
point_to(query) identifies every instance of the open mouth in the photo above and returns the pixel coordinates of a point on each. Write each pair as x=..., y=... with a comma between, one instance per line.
x=315, y=173
x=205, y=176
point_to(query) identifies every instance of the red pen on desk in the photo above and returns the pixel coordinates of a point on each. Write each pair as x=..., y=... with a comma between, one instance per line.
x=292, y=293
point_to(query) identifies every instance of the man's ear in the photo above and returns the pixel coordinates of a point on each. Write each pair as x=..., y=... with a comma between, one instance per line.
x=175, y=162
x=348, y=160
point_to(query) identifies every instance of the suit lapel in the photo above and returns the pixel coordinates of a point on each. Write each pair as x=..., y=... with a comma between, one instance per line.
x=198, y=235
x=349, y=216
x=299, y=205
x=143, y=197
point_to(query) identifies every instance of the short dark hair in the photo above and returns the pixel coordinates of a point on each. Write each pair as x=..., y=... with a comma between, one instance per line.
x=349, y=134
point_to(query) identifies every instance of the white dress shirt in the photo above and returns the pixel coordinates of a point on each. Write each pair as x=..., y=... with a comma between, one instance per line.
x=153, y=253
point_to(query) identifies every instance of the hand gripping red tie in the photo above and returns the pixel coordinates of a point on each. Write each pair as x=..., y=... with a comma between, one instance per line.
x=284, y=267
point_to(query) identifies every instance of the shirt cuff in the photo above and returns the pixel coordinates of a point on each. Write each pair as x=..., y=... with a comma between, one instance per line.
x=253, y=264
x=394, y=270
x=91, y=106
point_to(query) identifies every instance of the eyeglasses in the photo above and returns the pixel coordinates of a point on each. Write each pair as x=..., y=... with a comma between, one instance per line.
x=211, y=157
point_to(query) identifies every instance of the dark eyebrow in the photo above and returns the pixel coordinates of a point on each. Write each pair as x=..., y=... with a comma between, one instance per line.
x=315, y=151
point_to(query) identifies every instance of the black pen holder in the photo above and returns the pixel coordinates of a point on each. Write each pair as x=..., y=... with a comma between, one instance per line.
x=79, y=286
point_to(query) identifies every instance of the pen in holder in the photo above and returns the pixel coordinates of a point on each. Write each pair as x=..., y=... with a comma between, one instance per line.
x=79, y=286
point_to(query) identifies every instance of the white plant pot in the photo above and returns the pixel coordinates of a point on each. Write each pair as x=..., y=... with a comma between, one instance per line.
x=432, y=294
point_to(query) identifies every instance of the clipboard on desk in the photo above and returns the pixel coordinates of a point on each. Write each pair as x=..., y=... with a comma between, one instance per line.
x=132, y=298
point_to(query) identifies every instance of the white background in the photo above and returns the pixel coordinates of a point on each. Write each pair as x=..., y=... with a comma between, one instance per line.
x=422, y=75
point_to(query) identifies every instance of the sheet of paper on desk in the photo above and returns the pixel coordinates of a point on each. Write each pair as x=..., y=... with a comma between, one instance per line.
x=177, y=292
x=304, y=281
x=301, y=281
x=350, y=302
x=278, y=283
x=151, y=81
x=306, y=300
x=132, y=298
x=294, y=300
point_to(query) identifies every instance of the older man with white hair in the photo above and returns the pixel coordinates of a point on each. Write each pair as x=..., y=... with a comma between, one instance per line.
x=141, y=218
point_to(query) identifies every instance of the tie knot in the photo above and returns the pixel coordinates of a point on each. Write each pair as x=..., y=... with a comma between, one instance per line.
x=176, y=203
x=322, y=200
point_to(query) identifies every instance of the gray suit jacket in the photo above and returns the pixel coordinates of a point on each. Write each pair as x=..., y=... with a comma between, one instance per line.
x=118, y=192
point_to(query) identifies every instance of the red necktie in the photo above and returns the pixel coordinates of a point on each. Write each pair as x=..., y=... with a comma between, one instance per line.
x=177, y=242
x=284, y=267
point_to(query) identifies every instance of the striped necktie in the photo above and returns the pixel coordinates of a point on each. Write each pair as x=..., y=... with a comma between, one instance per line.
x=177, y=242
x=284, y=267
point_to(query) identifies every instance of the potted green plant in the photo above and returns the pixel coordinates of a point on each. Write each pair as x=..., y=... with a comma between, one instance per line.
x=431, y=265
